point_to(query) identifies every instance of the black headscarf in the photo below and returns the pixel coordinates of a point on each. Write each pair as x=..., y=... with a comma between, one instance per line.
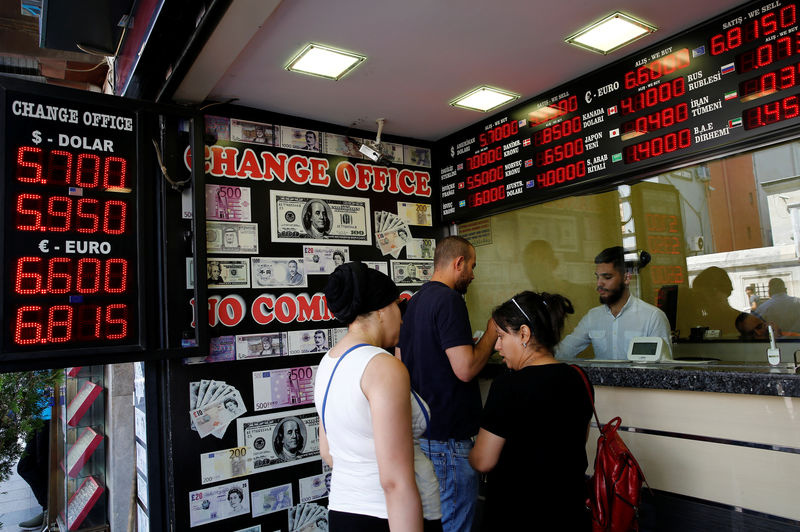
x=354, y=289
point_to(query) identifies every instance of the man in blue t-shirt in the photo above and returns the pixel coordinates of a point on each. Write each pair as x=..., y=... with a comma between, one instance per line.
x=437, y=347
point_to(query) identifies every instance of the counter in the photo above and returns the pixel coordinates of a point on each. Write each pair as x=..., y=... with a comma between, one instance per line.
x=724, y=377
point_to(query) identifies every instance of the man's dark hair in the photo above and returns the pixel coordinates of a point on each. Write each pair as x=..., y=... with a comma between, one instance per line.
x=450, y=248
x=614, y=255
x=776, y=286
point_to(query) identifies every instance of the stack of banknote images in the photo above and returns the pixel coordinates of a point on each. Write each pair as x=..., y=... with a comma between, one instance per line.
x=212, y=407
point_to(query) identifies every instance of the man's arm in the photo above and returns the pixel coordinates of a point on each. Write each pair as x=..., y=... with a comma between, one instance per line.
x=576, y=341
x=468, y=360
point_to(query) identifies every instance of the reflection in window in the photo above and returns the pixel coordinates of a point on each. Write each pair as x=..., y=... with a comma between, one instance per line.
x=723, y=237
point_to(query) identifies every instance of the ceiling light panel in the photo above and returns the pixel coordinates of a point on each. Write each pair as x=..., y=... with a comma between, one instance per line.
x=324, y=61
x=484, y=99
x=611, y=33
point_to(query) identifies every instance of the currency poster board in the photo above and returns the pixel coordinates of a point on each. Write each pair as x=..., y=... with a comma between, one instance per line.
x=286, y=201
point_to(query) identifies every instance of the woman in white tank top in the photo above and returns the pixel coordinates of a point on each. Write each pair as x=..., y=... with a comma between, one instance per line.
x=363, y=396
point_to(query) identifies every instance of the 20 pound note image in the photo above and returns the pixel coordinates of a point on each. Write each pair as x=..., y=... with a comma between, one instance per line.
x=309, y=218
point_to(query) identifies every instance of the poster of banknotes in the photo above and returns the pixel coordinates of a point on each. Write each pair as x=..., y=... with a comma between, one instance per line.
x=309, y=341
x=309, y=218
x=299, y=139
x=271, y=500
x=212, y=406
x=230, y=272
x=391, y=233
x=219, y=502
x=231, y=237
x=278, y=272
x=411, y=272
x=221, y=349
x=280, y=439
x=415, y=213
x=420, y=248
x=252, y=132
x=416, y=156
x=324, y=259
x=228, y=203
x=316, y=487
x=261, y=345
x=379, y=265
x=308, y=517
x=281, y=387
x=343, y=145
x=225, y=464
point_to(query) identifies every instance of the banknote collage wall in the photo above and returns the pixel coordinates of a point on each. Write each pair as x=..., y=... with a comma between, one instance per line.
x=287, y=201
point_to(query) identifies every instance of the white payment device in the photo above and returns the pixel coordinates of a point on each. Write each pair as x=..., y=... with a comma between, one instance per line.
x=648, y=349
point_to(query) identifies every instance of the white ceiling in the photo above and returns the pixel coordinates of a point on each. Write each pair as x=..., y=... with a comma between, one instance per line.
x=420, y=54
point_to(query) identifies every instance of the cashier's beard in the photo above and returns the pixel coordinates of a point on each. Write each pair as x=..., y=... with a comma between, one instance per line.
x=611, y=295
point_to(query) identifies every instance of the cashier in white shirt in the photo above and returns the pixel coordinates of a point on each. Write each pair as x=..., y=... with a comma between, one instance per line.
x=621, y=317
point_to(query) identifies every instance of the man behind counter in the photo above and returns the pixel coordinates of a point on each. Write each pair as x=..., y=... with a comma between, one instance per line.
x=621, y=316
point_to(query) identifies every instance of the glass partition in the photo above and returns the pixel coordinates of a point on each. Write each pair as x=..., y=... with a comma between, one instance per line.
x=722, y=237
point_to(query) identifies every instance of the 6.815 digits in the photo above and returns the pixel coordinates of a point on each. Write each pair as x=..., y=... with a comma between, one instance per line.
x=37, y=324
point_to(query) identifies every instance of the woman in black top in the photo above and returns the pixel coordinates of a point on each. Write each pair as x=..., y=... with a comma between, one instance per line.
x=535, y=424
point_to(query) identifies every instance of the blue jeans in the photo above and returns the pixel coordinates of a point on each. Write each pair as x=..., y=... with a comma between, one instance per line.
x=458, y=482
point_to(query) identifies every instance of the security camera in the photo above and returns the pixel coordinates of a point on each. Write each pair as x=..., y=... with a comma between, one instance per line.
x=369, y=152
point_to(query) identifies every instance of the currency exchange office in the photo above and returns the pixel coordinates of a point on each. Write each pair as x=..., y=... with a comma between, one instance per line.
x=114, y=230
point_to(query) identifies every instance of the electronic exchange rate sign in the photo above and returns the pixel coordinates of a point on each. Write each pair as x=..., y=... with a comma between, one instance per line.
x=721, y=86
x=70, y=246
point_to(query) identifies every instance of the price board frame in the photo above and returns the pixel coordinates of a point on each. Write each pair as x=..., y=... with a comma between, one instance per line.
x=727, y=85
x=81, y=247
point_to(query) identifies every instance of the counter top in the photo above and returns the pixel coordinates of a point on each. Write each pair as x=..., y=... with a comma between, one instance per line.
x=721, y=377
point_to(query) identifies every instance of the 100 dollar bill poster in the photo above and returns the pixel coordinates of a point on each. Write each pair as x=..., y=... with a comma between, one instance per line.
x=308, y=218
x=280, y=439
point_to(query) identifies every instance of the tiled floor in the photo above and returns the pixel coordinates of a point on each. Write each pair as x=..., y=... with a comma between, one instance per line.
x=17, y=502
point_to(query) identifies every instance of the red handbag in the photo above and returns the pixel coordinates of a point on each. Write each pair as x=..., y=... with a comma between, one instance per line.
x=615, y=487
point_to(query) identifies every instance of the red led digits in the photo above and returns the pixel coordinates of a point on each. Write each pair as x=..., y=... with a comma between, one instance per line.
x=116, y=276
x=653, y=96
x=29, y=164
x=655, y=69
x=662, y=223
x=484, y=158
x=60, y=215
x=36, y=324
x=63, y=168
x=116, y=319
x=498, y=133
x=768, y=53
x=87, y=275
x=669, y=116
x=59, y=275
x=657, y=146
x=558, y=153
x=557, y=131
x=485, y=177
x=763, y=26
x=769, y=83
x=662, y=275
x=562, y=174
x=59, y=168
x=664, y=245
x=772, y=112
x=484, y=197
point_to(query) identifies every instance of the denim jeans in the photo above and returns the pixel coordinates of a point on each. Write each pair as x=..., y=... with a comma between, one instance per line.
x=458, y=482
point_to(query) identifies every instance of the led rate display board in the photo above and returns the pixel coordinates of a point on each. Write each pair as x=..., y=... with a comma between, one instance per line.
x=723, y=85
x=70, y=240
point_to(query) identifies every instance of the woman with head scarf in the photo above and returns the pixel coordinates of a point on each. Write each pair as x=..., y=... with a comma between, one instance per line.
x=369, y=415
